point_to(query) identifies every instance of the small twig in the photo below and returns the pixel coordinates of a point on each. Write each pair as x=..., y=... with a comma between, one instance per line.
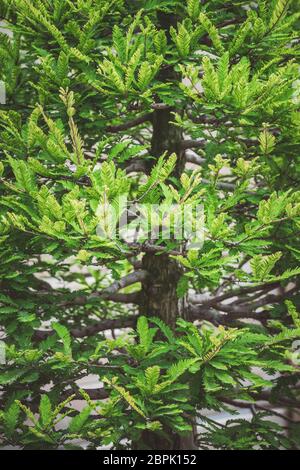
x=150, y=248
x=193, y=158
x=130, y=124
x=136, y=167
x=189, y=144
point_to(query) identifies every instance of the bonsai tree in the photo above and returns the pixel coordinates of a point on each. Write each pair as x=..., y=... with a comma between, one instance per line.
x=119, y=117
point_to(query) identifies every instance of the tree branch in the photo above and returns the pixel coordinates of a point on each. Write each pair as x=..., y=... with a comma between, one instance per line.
x=91, y=330
x=103, y=326
x=111, y=292
x=241, y=404
x=132, y=278
x=206, y=314
x=194, y=158
x=117, y=297
x=217, y=318
x=137, y=166
x=204, y=309
x=151, y=248
x=237, y=293
x=93, y=393
x=189, y=144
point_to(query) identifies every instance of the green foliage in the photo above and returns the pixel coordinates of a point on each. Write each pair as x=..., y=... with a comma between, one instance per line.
x=204, y=368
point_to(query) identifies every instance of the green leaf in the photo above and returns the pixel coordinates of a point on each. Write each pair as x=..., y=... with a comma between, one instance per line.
x=267, y=142
x=45, y=410
x=10, y=376
x=211, y=31
x=179, y=368
x=182, y=287
x=278, y=12
x=165, y=329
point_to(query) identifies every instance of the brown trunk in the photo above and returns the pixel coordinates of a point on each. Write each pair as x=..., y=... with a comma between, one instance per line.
x=151, y=440
x=158, y=297
x=167, y=137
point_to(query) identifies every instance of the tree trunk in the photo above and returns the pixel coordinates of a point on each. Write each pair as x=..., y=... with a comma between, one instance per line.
x=158, y=297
